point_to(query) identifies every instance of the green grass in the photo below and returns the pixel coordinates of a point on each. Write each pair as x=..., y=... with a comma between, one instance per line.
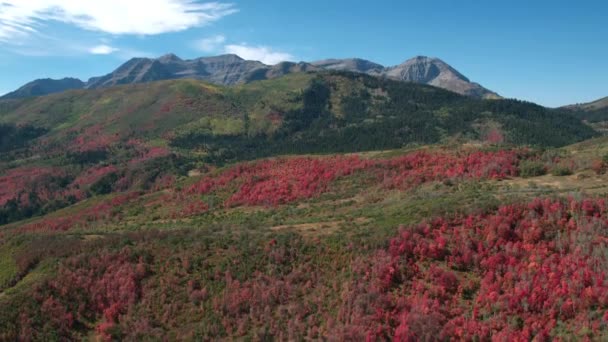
x=8, y=268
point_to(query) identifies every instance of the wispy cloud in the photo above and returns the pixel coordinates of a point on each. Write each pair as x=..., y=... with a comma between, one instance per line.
x=102, y=50
x=210, y=44
x=263, y=54
x=22, y=18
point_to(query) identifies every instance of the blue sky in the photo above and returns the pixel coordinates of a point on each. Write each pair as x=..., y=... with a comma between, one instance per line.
x=550, y=52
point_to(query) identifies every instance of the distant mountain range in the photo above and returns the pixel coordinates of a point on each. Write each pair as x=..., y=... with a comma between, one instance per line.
x=231, y=70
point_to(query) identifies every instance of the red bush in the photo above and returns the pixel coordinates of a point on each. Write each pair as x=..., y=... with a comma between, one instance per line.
x=93, y=174
x=284, y=180
x=510, y=275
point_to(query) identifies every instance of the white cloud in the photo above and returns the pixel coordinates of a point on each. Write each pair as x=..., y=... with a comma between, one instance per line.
x=102, y=50
x=263, y=54
x=210, y=44
x=21, y=18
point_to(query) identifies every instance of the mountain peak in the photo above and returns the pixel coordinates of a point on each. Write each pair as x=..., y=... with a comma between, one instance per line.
x=422, y=58
x=425, y=60
x=170, y=57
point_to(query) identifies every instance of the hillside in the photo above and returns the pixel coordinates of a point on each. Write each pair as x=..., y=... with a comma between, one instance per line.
x=190, y=122
x=594, y=112
x=231, y=70
x=591, y=106
x=314, y=247
x=297, y=208
x=303, y=112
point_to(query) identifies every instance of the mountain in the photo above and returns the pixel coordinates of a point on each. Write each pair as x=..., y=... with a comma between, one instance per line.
x=232, y=70
x=435, y=72
x=593, y=112
x=420, y=69
x=321, y=112
x=45, y=86
x=225, y=70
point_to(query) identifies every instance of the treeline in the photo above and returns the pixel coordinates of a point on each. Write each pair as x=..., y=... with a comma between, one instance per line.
x=592, y=116
x=384, y=114
x=13, y=137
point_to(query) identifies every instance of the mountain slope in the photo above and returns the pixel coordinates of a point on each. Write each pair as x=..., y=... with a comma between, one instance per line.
x=300, y=112
x=352, y=65
x=593, y=112
x=595, y=105
x=232, y=70
x=44, y=87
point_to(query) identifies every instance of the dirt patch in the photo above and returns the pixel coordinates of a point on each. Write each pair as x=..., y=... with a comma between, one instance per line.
x=319, y=228
x=194, y=173
x=91, y=237
x=580, y=181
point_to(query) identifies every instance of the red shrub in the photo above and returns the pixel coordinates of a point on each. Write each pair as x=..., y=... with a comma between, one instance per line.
x=42, y=184
x=93, y=174
x=526, y=268
x=150, y=153
x=599, y=167
x=284, y=180
x=93, y=138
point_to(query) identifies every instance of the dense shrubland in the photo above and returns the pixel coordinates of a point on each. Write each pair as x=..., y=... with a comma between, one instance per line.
x=523, y=271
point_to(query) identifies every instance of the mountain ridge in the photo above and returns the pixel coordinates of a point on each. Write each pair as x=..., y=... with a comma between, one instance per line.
x=591, y=112
x=230, y=69
x=45, y=86
x=601, y=103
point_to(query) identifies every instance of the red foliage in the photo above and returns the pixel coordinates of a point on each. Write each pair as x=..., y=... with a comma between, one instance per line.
x=279, y=181
x=495, y=136
x=599, y=167
x=15, y=181
x=284, y=180
x=193, y=209
x=511, y=275
x=20, y=182
x=421, y=167
x=93, y=138
x=93, y=174
x=102, y=286
x=150, y=153
x=84, y=217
